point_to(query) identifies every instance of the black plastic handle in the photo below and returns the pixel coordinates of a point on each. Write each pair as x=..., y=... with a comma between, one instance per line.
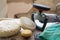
x=37, y=27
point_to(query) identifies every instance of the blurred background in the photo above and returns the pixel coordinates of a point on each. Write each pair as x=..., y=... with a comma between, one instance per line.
x=3, y=8
x=10, y=8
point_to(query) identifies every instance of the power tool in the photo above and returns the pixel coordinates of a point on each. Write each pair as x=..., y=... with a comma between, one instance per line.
x=40, y=16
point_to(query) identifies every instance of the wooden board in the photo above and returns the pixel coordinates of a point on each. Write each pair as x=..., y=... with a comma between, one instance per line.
x=19, y=7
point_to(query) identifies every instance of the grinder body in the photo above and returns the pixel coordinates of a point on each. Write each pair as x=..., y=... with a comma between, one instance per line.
x=42, y=18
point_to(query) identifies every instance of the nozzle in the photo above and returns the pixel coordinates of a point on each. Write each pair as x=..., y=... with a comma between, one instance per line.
x=41, y=7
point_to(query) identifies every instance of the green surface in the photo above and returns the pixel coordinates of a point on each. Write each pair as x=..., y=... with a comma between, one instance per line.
x=51, y=33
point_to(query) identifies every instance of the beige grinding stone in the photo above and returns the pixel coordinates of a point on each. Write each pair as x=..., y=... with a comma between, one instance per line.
x=8, y=28
x=27, y=23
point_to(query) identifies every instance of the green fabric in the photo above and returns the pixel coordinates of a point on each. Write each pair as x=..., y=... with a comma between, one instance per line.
x=51, y=33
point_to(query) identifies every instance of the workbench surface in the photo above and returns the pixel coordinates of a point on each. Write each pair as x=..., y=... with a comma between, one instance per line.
x=19, y=37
